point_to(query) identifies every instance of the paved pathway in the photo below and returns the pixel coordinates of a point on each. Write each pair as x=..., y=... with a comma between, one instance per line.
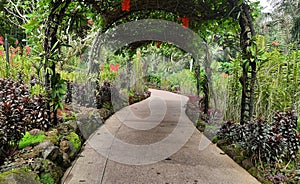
x=153, y=142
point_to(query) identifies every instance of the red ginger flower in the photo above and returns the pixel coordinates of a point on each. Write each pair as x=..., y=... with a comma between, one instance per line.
x=126, y=5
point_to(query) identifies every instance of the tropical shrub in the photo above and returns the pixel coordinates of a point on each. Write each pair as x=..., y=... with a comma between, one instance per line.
x=19, y=112
x=265, y=141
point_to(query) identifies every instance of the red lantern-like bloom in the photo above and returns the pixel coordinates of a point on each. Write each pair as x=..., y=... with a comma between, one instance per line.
x=126, y=5
x=185, y=21
x=114, y=68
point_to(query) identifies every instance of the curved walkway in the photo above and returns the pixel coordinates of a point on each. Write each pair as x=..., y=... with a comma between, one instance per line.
x=153, y=142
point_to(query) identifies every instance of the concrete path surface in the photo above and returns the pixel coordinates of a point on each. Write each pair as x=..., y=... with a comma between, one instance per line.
x=153, y=141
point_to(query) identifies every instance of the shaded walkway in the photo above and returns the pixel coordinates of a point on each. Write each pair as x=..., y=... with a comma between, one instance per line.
x=153, y=142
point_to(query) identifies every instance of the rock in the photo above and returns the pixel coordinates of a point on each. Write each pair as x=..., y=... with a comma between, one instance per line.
x=89, y=125
x=43, y=145
x=18, y=176
x=50, y=153
x=65, y=146
x=35, y=132
x=52, y=136
x=64, y=129
x=48, y=150
x=247, y=164
x=73, y=124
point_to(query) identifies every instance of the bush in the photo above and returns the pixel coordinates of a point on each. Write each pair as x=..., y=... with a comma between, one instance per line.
x=19, y=112
x=265, y=141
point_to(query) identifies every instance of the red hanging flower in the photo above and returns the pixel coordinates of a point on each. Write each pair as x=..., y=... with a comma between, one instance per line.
x=185, y=21
x=114, y=68
x=158, y=44
x=126, y=5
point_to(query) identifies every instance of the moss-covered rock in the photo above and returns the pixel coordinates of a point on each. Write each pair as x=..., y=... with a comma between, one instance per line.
x=253, y=171
x=52, y=136
x=239, y=159
x=247, y=164
x=74, y=139
x=19, y=176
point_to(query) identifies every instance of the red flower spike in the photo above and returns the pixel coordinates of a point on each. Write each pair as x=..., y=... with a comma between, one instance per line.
x=126, y=5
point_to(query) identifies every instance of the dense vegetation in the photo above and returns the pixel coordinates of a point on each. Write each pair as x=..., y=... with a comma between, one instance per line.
x=44, y=65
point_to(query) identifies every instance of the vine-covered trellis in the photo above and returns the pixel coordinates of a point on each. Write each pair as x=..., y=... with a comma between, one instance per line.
x=191, y=11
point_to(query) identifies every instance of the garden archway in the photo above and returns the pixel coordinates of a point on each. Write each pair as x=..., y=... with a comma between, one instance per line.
x=196, y=11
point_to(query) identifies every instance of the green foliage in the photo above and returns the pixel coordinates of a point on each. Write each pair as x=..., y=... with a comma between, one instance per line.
x=137, y=74
x=277, y=86
x=46, y=178
x=29, y=140
x=37, y=89
x=58, y=91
